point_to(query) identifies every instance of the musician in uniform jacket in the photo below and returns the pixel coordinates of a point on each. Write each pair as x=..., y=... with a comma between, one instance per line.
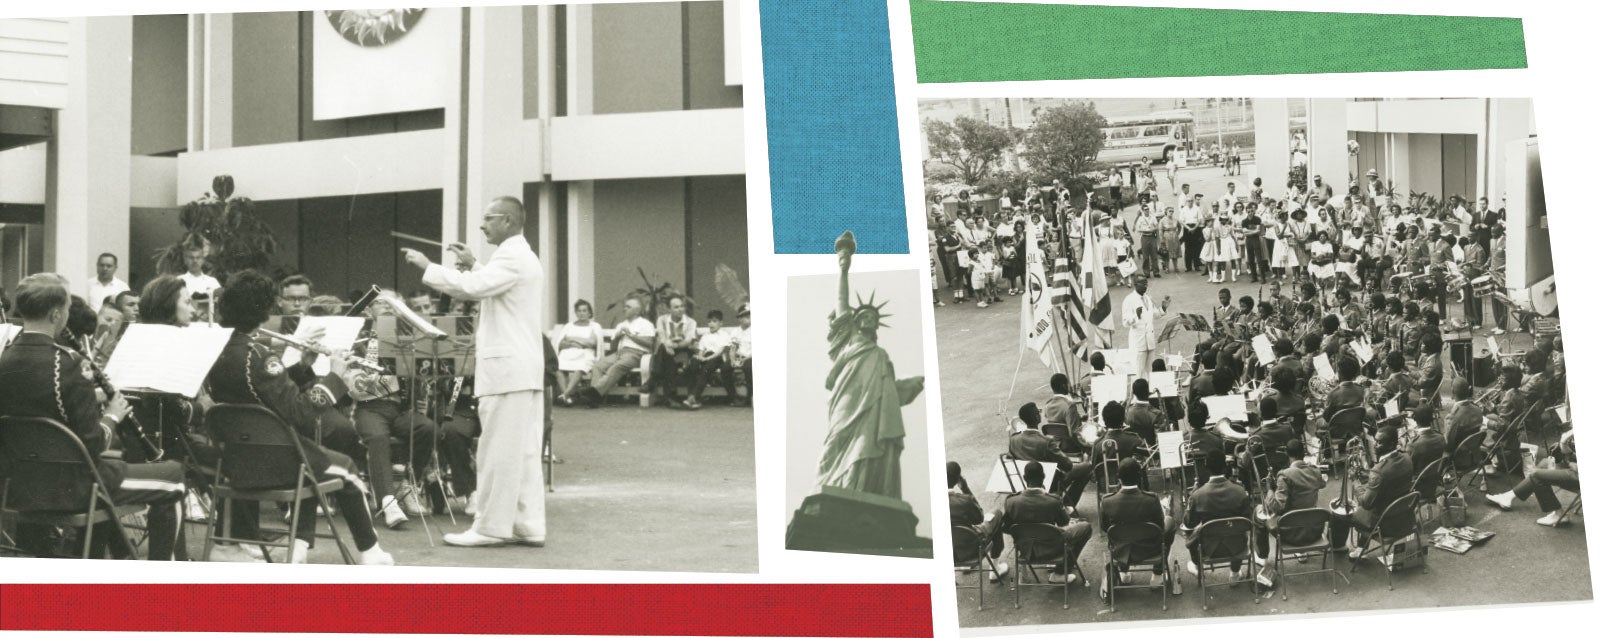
x=1062, y=408
x=1348, y=395
x=966, y=512
x=1426, y=446
x=1131, y=505
x=1508, y=404
x=1217, y=499
x=1465, y=419
x=1299, y=487
x=1034, y=505
x=1387, y=481
x=248, y=373
x=41, y=379
x=1141, y=416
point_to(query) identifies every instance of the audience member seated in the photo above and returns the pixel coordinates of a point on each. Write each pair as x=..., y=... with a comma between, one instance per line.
x=675, y=336
x=741, y=356
x=577, y=348
x=1034, y=505
x=635, y=336
x=713, y=359
x=1539, y=483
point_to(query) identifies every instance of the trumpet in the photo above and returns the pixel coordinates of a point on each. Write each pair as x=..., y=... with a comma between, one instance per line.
x=320, y=349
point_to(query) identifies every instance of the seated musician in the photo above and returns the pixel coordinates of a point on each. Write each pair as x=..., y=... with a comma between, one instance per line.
x=248, y=373
x=1298, y=488
x=966, y=512
x=1275, y=433
x=1062, y=408
x=1202, y=439
x=1351, y=315
x=1347, y=395
x=1535, y=376
x=1225, y=314
x=1134, y=506
x=1034, y=505
x=1397, y=386
x=1216, y=499
x=1508, y=404
x=1172, y=406
x=1143, y=417
x=1427, y=445
x=1538, y=483
x=1128, y=446
x=1032, y=445
x=382, y=417
x=1464, y=419
x=1283, y=349
x=1387, y=481
x=1430, y=369
x=42, y=379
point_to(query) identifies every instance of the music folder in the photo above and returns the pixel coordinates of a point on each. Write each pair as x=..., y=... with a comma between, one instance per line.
x=1170, y=446
x=169, y=359
x=1325, y=368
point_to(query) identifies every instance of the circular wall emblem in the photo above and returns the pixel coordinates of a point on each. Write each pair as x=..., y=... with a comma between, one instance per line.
x=373, y=27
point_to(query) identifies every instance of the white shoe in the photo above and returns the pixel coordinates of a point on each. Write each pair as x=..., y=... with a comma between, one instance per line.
x=983, y=304
x=1000, y=571
x=1499, y=331
x=1193, y=570
x=1552, y=519
x=1156, y=581
x=228, y=553
x=393, y=518
x=471, y=538
x=1503, y=500
x=194, y=508
x=375, y=556
x=297, y=556
x=1060, y=579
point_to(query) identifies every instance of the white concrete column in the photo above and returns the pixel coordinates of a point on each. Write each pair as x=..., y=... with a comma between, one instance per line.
x=580, y=59
x=195, y=98
x=1400, y=166
x=494, y=108
x=1329, y=137
x=1508, y=128
x=1272, y=144
x=450, y=199
x=580, y=241
x=218, y=88
x=87, y=200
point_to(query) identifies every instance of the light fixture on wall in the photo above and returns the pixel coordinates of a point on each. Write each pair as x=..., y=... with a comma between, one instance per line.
x=373, y=27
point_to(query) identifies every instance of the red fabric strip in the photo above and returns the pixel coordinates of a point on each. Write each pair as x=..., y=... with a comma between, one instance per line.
x=574, y=609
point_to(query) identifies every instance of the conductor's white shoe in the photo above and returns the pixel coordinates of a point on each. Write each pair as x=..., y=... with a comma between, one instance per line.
x=472, y=538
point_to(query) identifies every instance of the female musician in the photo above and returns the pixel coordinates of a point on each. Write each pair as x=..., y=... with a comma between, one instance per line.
x=577, y=348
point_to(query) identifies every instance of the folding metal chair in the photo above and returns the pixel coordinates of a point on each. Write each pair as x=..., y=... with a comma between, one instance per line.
x=1036, y=545
x=1468, y=457
x=1221, y=543
x=263, y=461
x=1397, y=523
x=1142, y=548
x=51, y=477
x=971, y=554
x=1303, y=534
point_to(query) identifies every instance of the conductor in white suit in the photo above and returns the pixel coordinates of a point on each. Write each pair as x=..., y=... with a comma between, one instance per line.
x=1139, y=314
x=510, y=376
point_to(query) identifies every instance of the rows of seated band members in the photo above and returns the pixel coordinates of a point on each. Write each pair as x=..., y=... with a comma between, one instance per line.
x=48, y=372
x=1403, y=453
x=672, y=353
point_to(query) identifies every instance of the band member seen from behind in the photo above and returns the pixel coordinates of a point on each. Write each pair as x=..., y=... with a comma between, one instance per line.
x=1298, y=488
x=1464, y=419
x=1426, y=446
x=1133, y=506
x=44, y=380
x=1062, y=408
x=1034, y=505
x=966, y=512
x=249, y=373
x=1141, y=416
x=1216, y=499
x=1032, y=445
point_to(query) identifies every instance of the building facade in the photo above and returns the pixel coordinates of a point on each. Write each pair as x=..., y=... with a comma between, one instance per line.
x=619, y=125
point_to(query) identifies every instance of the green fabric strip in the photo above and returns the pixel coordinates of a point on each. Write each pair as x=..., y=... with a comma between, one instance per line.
x=995, y=42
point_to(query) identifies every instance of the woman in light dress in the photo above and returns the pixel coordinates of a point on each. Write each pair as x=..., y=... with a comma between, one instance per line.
x=1221, y=250
x=1284, y=261
x=577, y=349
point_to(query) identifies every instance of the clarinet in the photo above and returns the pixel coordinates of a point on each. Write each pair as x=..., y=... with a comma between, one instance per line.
x=128, y=429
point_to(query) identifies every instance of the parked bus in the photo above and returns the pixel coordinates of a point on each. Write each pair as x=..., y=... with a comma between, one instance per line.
x=1155, y=136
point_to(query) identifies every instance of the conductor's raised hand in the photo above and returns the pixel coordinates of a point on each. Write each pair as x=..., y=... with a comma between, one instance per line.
x=415, y=258
x=464, y=256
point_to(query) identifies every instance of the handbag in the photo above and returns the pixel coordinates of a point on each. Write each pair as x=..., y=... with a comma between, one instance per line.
x=1454, y=512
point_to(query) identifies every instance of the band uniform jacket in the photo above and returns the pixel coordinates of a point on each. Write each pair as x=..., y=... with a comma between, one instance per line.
x=510, y=289
x=1429, y=373
x=1060, y=409
x=1389, y=480
x=964, y=509
x=1033, y=505
x=1033, y=445
x=1130, y=507
x=1141, y=418
x=1465, y=419
x=1298, y=488
x=1218, y=498
x=1202, y=442
x=1129, y=445
x=1275, y=434
x=247, y=372
x=1427, y=447
x=41, y=379
x=1348, y=394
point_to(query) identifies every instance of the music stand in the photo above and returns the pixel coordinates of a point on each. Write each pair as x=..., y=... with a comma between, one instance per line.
x=405, y=328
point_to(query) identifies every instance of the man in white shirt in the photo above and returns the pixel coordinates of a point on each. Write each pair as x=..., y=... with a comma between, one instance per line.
x=199, y=283
x=1139, y=314
x=740, y=356
x=1229, y=198
x=1189, y=215
x=105, y=283
x=712, y=358
x=675, y=335
x=635, y=337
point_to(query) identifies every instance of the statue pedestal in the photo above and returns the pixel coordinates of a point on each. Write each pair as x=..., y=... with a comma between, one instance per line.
x=852, y=522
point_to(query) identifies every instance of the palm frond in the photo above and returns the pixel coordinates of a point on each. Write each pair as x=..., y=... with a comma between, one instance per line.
x=729, y=287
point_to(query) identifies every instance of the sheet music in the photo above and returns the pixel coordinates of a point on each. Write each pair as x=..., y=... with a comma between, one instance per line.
x=1121, y=361
x=1228, y=406
x=1363, y=349
x=160, y=358
x=417, y=322
x=7, y=333
x=1109, y=387
x=1174, y=361
x=339, y=333
x=1391, y=408
x=1170, y=446
x=1165, y=383
x=1325, y=368
x=1263, y=347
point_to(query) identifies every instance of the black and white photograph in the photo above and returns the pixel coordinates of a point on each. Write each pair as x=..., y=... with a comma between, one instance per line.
x=1227, y=357
x=452, y=287
x=857, y=430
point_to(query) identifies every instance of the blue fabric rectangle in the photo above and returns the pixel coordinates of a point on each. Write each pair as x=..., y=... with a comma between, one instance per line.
x=832, y=134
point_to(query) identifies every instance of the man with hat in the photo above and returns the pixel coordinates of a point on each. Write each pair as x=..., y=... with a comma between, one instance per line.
x=1374, y=188
x=742, y=350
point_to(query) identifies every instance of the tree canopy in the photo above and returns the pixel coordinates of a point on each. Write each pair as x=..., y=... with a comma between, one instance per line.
x=970, y=145
x=1064, y=140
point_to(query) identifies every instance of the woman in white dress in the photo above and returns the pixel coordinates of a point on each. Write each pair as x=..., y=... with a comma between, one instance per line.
x=1224, y=249
x=1284, y=261
x=577, y=349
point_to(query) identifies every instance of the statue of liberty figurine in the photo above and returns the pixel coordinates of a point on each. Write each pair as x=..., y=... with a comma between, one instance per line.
x=865, y=432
